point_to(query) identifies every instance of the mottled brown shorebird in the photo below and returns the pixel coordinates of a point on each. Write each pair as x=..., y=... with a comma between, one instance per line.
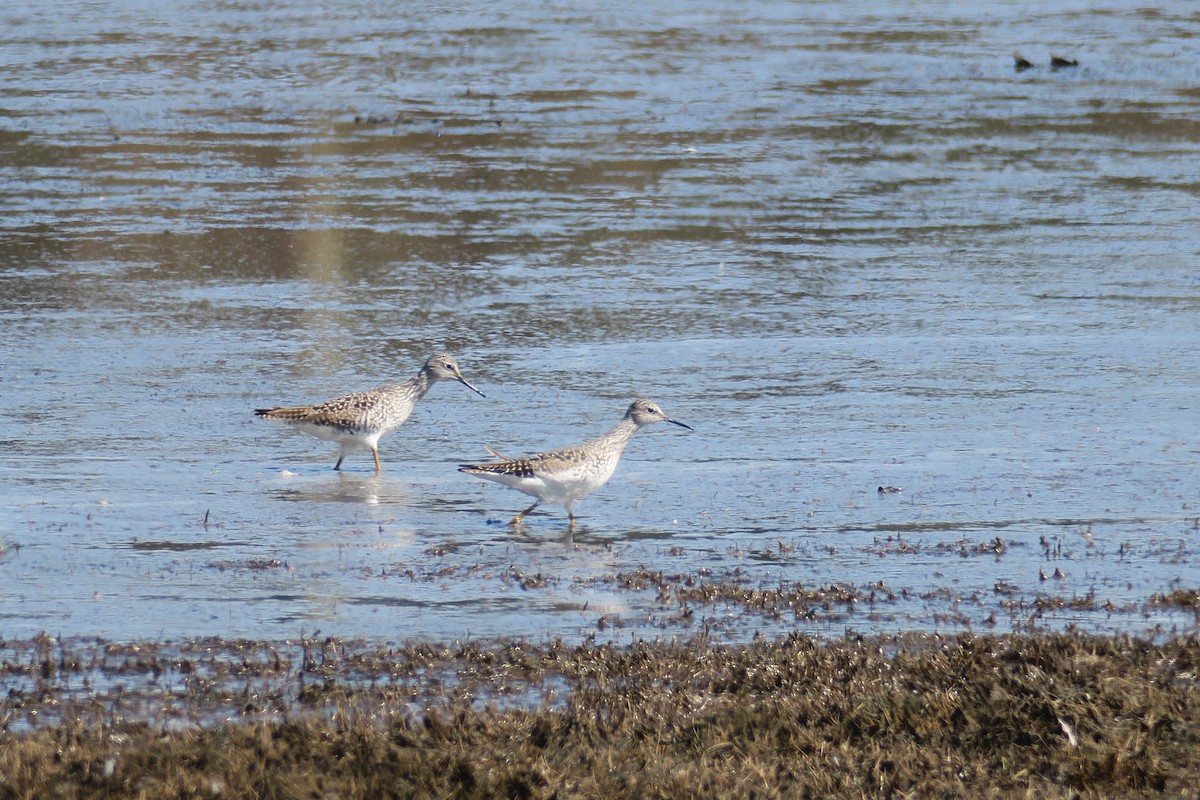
x=561, y=477
x=360, y=419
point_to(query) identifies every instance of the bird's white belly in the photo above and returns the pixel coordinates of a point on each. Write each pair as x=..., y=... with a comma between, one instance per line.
x=570, y=485
x=332, y=434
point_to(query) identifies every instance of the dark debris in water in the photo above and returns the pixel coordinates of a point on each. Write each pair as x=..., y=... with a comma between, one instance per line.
x=252, y=565
x=738, y=600
x=1180, y=598
x=796, y=600
x=1055, y=715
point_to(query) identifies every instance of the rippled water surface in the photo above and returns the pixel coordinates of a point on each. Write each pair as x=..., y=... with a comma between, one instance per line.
x=848, y=243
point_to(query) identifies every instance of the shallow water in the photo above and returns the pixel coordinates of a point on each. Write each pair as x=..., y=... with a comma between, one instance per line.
x=848, y=243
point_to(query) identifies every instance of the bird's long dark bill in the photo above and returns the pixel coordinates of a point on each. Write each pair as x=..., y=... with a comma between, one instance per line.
x=467, y=384
x=680, y=424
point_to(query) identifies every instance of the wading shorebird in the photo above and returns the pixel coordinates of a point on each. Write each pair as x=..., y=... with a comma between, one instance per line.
x=561, y=477
x=361, y=419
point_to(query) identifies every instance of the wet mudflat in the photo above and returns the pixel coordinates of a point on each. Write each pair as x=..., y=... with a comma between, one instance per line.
x=1012, y=716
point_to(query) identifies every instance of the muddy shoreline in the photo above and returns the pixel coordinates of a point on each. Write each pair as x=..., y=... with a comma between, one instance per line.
x=1049, y=715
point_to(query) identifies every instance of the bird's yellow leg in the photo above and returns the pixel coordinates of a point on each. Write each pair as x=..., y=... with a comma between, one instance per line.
x=519, y=517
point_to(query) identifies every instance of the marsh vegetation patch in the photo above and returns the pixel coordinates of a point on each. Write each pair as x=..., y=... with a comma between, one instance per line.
x=991, y=716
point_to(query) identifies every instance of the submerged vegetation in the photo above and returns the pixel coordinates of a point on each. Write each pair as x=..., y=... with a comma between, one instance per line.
x=1048, y=715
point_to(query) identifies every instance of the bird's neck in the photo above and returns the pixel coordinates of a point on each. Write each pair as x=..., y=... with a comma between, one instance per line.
x=418, y=385
x=620, y=434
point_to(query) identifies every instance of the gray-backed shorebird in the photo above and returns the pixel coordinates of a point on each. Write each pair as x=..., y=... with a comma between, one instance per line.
x=360, y=419
x=562, y=477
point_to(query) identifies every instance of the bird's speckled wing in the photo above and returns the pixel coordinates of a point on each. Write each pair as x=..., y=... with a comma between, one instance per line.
x=338, y=412
x=558, y=462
